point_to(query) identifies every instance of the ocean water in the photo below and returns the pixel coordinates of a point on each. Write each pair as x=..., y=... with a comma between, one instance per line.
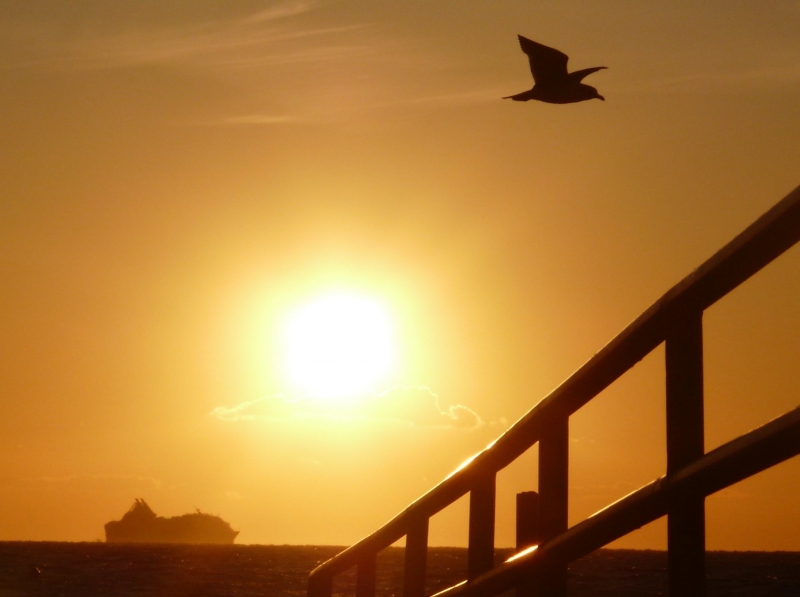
x=34, y=569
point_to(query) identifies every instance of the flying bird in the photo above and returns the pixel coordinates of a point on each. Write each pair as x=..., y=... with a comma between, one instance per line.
x=551, y=81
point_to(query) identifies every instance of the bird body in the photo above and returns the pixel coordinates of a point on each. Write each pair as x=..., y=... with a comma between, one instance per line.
x=552, y=83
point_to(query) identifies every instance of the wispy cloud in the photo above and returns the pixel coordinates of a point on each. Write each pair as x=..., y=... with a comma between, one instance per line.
x=273, y=37
x=211, y=46
x=257, y=119
x=422, y=406
x=733, y=80
x=482, y=96
x=116, y=478
x=44, y=42
x=282, y=11
x=287, y=63
x=415, y=405
x=277, y=406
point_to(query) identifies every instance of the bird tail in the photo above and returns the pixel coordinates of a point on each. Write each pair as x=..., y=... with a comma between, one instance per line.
x=519, y=97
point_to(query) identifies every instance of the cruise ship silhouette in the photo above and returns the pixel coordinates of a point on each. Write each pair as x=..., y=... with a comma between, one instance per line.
x=141, y=525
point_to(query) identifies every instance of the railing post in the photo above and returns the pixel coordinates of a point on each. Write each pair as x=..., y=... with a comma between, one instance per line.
x=553, y=498
x=527, y=519
x=416, y=559
x=527, y=534
x=686, y=518
x=480, y=554
x=320, y=586
x=365, y=576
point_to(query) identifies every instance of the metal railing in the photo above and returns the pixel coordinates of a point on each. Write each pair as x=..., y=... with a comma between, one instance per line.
x=676, y=320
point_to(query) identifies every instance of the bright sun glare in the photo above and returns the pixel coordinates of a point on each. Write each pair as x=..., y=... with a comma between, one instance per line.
x=338, y=345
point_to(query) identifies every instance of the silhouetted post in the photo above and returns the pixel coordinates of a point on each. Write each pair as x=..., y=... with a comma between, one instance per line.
x=416, y=559
x=527, y=533
x=686, y=518
x=320, y=586
x=481, y=526
x=553, y=496
x=365, y=576
x=527, y=519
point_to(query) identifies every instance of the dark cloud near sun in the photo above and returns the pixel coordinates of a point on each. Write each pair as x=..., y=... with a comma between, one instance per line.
x=415, y=405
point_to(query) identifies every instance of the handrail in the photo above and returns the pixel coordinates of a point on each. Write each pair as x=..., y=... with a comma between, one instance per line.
x=759, y=244
x=761, y=449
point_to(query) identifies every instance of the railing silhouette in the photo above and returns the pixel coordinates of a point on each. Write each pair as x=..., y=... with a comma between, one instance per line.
x=676, y=320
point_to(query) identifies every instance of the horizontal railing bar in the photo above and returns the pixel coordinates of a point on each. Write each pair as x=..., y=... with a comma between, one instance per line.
x=735, y=461
x=764, y=240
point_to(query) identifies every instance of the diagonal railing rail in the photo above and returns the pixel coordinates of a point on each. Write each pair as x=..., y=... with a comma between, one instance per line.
x=676, y=320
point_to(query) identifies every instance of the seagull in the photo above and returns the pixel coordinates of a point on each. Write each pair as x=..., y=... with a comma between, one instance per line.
x=551, y=81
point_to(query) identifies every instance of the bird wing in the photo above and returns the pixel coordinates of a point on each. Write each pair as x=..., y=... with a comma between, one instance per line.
x=579, y=75
x=547, y=64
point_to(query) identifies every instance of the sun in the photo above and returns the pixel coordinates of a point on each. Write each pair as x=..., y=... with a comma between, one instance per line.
x=338, y=345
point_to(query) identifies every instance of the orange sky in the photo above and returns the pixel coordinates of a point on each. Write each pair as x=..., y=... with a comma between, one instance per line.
x=177, y=176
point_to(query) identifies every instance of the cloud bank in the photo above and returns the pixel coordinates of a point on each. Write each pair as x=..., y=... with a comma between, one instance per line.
x=415, y=405
x=423, y=407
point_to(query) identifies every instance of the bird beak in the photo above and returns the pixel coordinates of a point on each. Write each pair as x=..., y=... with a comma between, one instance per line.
x=601, y=97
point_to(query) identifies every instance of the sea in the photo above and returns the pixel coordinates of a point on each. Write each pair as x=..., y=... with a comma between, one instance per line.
x=33, y=569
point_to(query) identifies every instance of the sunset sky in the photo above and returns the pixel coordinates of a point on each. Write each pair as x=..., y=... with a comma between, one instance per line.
x=181, y=180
